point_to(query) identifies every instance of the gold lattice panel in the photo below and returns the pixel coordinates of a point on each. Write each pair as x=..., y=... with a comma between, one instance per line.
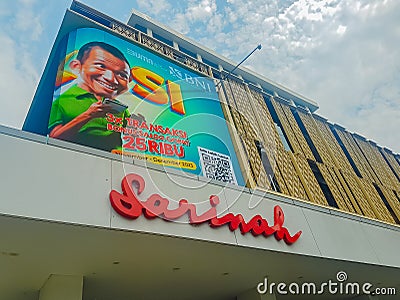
x=370, y=173
x=281, y=181
x=349, y=199
x=377, y=202
x=336, y=188
x=298, y=135
x=333, y=145
x=286, y=127
x=242, y=100
x=316, y=139
x=238, y=122
x=288, y=172
x=355, y=153
x=394, y=166
x=379, y=165
x=392, y=199
x=255, y=163
x=358, y=194
x=371, y=161
x=246, y=134
x=317, y=196
x=267, y=125
x=277, y=138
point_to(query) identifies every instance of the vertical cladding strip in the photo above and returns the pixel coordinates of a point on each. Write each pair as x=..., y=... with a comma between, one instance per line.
x=244, y=101
x=289, y=174
x=316, y=138
x=305, y=149
x=363, y=164
x=308, y=179
x=376, y=201
x=238, y=146
x=370, y=161
x=392, y=200
x=280, y=175
x=286, y=126
x=255, y=160
x=227, y=88
x=333, y=145
x=332, y=152
x=277, y=159
x=248, y=133
x=297, y=185
x=380, y=166
x=281, y=116
x=350, y=202
x=354, y=187
x=395, y=167
x=339, y=195
x=347, y=188
x=268, y=133
x=354, y=152
x=267, y=127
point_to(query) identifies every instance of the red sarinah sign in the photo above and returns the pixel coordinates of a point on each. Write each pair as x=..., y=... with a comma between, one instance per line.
x=128, y=205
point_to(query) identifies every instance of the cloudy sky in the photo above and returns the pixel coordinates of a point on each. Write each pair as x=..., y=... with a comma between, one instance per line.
x=343, y=54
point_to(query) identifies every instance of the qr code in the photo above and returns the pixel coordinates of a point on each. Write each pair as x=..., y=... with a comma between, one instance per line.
x=216, y=166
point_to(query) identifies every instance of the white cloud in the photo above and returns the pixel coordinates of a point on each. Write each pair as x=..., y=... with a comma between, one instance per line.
x=29, y=23
x=341, y=29
x=17, y=82
x=18, y=78
x=200, y=10
x=342, y=54
x=154, y=6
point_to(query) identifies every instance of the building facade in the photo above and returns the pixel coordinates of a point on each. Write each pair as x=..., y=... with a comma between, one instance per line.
x=225, y=185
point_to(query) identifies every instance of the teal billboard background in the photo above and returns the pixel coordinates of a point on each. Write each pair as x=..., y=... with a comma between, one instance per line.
x=202, y=126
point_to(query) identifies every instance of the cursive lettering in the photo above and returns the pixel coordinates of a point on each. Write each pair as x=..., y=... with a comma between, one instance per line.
x=128, y=205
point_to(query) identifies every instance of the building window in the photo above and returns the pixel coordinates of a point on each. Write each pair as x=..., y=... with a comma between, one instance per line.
x=188, y=52
x=210, y=63
x=141, y=28
x=322, y=183
x=282, y=136
x=267, y=166
x=162, y=39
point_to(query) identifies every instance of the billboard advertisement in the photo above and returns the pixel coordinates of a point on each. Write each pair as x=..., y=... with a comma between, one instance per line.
x=116, y=96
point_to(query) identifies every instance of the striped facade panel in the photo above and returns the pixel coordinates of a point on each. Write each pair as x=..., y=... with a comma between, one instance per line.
x=270, y=137
x=376, y=201
x=394, y=166
x=370, y=160
x=286, y=126
x=281, y=181
x=260, y=176
x=355, y=154
x=317, y=196
x=316, y=138
x=246, y=124
x=369, y=171
x=378, y=164
x=342, y=199
x=293, y=183
x=392, y=200
x=242, y=100
x=358, y=194
x=339, y=156
x=298, y=135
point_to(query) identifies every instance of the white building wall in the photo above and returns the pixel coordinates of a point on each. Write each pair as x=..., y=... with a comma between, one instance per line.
x=44, y=180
